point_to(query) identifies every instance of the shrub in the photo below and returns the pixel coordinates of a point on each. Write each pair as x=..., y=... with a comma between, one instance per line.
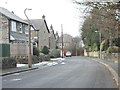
x=52, y=56
x=46, y=58
x=35, y=59
x=94, y=47
x=35, y=51
x=57, y=47
x=42, y=54
x=104, y=45
x=22, y=60
x=55, y=53
x=45, y=50
x=8, y=62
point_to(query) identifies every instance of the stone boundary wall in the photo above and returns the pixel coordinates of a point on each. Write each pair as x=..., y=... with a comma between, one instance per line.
x=111, y=57
x=107, y=56
x=19, y=49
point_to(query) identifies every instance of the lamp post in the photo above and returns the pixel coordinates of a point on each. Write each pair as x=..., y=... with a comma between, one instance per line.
x=100, y=36
x=76, y=48
x=29, y=40
x=62, y=38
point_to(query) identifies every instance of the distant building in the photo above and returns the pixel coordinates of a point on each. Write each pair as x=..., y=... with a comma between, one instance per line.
x=13, y=35
x=67, y=42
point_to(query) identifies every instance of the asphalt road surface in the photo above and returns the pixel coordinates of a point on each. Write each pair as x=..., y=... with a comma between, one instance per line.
x=77, y=72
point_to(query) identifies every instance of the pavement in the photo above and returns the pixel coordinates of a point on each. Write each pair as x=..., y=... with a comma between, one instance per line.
x=9, y=71
x=112, y=67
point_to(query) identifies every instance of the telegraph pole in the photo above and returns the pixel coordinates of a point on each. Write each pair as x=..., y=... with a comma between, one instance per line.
x=62, y=38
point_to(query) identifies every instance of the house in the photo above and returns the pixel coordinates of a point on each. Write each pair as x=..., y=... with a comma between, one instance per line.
x=52, y=39
x=41, y=33
x=13, y=35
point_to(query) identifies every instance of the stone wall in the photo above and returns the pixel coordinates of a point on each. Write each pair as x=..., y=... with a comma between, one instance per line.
x=107, y=56
x=91, y=54
x=52, y=42
x=19, y=49
x=111, y=56
x=4, y=30
x=43, y=38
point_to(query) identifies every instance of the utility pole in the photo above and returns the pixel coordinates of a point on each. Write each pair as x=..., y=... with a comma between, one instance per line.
x=62, y=38
x=29, y=41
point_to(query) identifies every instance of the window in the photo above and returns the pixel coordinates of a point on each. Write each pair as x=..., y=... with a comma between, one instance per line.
x=23, y=28
x=20, y=28
x=26, y=29
x=13, y=26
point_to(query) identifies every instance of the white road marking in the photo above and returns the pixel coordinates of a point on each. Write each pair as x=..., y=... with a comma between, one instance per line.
x=17, y=79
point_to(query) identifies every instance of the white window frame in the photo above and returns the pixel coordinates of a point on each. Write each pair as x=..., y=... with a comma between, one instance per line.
x=21, y=28
x=13, y=26
x=26, y=29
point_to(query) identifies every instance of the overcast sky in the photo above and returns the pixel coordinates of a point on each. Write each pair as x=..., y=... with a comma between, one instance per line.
x=57, y=12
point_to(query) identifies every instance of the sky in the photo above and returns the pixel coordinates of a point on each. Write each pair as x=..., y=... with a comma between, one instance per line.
x=57, y=12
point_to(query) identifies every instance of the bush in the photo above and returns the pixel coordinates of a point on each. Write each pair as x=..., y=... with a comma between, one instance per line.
x=8, y=62
x=35, y=59
x=55, y=53
x=57, y=47
x=52, y=56
x=104, y=45
x=22, y=60
x=42, y=54
x=94, y=47
x=45, y=50
x=35, y=51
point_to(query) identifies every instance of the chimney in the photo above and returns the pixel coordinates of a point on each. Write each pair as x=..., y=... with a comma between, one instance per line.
x=12, y=12
x=51, y=27
x=43, y=17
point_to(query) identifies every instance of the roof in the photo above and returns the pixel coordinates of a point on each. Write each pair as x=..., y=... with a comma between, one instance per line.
x=52, y=31
x=39, y=24
x=18, y=37
x=11, y=15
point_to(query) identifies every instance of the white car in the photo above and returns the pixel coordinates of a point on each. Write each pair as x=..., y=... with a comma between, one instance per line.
x=68, y=54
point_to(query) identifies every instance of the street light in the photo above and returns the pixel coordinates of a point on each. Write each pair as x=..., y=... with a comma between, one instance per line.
x=100, y=37
x=62, y=38
x=29, y=40
x=76, y=48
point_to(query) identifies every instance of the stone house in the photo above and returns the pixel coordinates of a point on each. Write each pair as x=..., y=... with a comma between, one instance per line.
x=13, y=35
x=41, y=33
x=52, y=39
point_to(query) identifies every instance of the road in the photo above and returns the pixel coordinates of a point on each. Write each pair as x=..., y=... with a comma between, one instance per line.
x=77, y=72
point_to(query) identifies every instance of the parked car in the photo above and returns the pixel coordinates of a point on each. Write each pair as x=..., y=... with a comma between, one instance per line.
x=68, y=54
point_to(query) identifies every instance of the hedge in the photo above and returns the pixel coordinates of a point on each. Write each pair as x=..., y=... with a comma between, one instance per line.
x=8, y=62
